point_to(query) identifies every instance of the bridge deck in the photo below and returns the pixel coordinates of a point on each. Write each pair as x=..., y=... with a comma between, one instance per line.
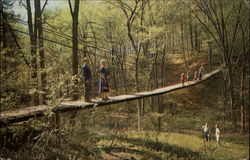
x=23, y=114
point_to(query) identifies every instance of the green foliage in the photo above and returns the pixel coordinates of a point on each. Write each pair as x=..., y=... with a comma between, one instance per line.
x=13, y=89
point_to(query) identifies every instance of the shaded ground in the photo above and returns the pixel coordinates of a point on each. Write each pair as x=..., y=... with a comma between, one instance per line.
x=171, y=146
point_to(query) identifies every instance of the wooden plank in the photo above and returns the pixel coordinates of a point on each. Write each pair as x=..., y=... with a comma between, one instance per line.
x=23, y=114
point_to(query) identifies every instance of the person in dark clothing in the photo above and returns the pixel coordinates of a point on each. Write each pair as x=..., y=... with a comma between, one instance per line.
x=87, y=76
x=206, y=132
x=103, y=81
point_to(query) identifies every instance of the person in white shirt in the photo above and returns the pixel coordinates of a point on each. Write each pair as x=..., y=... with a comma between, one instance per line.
x=206, y=132
x=217, y=134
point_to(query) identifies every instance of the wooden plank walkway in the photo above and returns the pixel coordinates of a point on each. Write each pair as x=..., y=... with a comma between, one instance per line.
x=23, y=114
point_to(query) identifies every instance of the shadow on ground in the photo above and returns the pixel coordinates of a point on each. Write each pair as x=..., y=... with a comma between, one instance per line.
x=171, y=150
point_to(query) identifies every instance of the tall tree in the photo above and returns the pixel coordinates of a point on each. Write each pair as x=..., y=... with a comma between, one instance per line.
x=131, y=12
x=224, y=18
x=38, y=22
x=33, y=49
x=245, y=54
x=74, y=13
x=36, y=44
x=2, y=29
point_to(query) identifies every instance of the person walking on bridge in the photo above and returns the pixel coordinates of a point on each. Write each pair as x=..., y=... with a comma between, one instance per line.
x=87, y=76
x=195, y=76
x=103, y=81
x=201, y=72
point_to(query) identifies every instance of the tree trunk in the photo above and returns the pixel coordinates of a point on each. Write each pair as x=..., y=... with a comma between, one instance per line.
x=33, y=43
x=2, y=28
x=41, y=49
x=114, y=69
x=191, y=33
x=156, y=85
x=224, y=100
x=137, y=90
x=182, y=38
x=196, y=37
x=231, y=97
x=75, y=62
x=200, y=40
x=74, y=13
x=124, y=78
x=173, y=44
x=242, y=103
x=123, y=68
x=210, y=57
x=243, y=75
x=137, y=52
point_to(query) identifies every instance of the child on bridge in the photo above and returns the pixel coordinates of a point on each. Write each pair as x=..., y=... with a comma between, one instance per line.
x=103, y=81
x=195, y=76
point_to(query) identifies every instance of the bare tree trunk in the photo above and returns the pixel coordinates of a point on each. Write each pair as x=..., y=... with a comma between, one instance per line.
x=182, y=43
x=32, y=39
x=2, y=28
x=33, y=43
x=210, y=56
x=248, y=52
x=137, y=50
x=137, y=90
x=131, y=16
x=162, y=81
x=224, y=100
x=182, y=38
x=200, y=41
x=124, y=78
x=114, y=69
x=243, y=75
x=95, y=59
x=173, y=43
x=41, y=49
x=196, y=38
x=191, y=33
x=231, y=97
x=123, y=66
x=242, y=103
x=74, y=13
